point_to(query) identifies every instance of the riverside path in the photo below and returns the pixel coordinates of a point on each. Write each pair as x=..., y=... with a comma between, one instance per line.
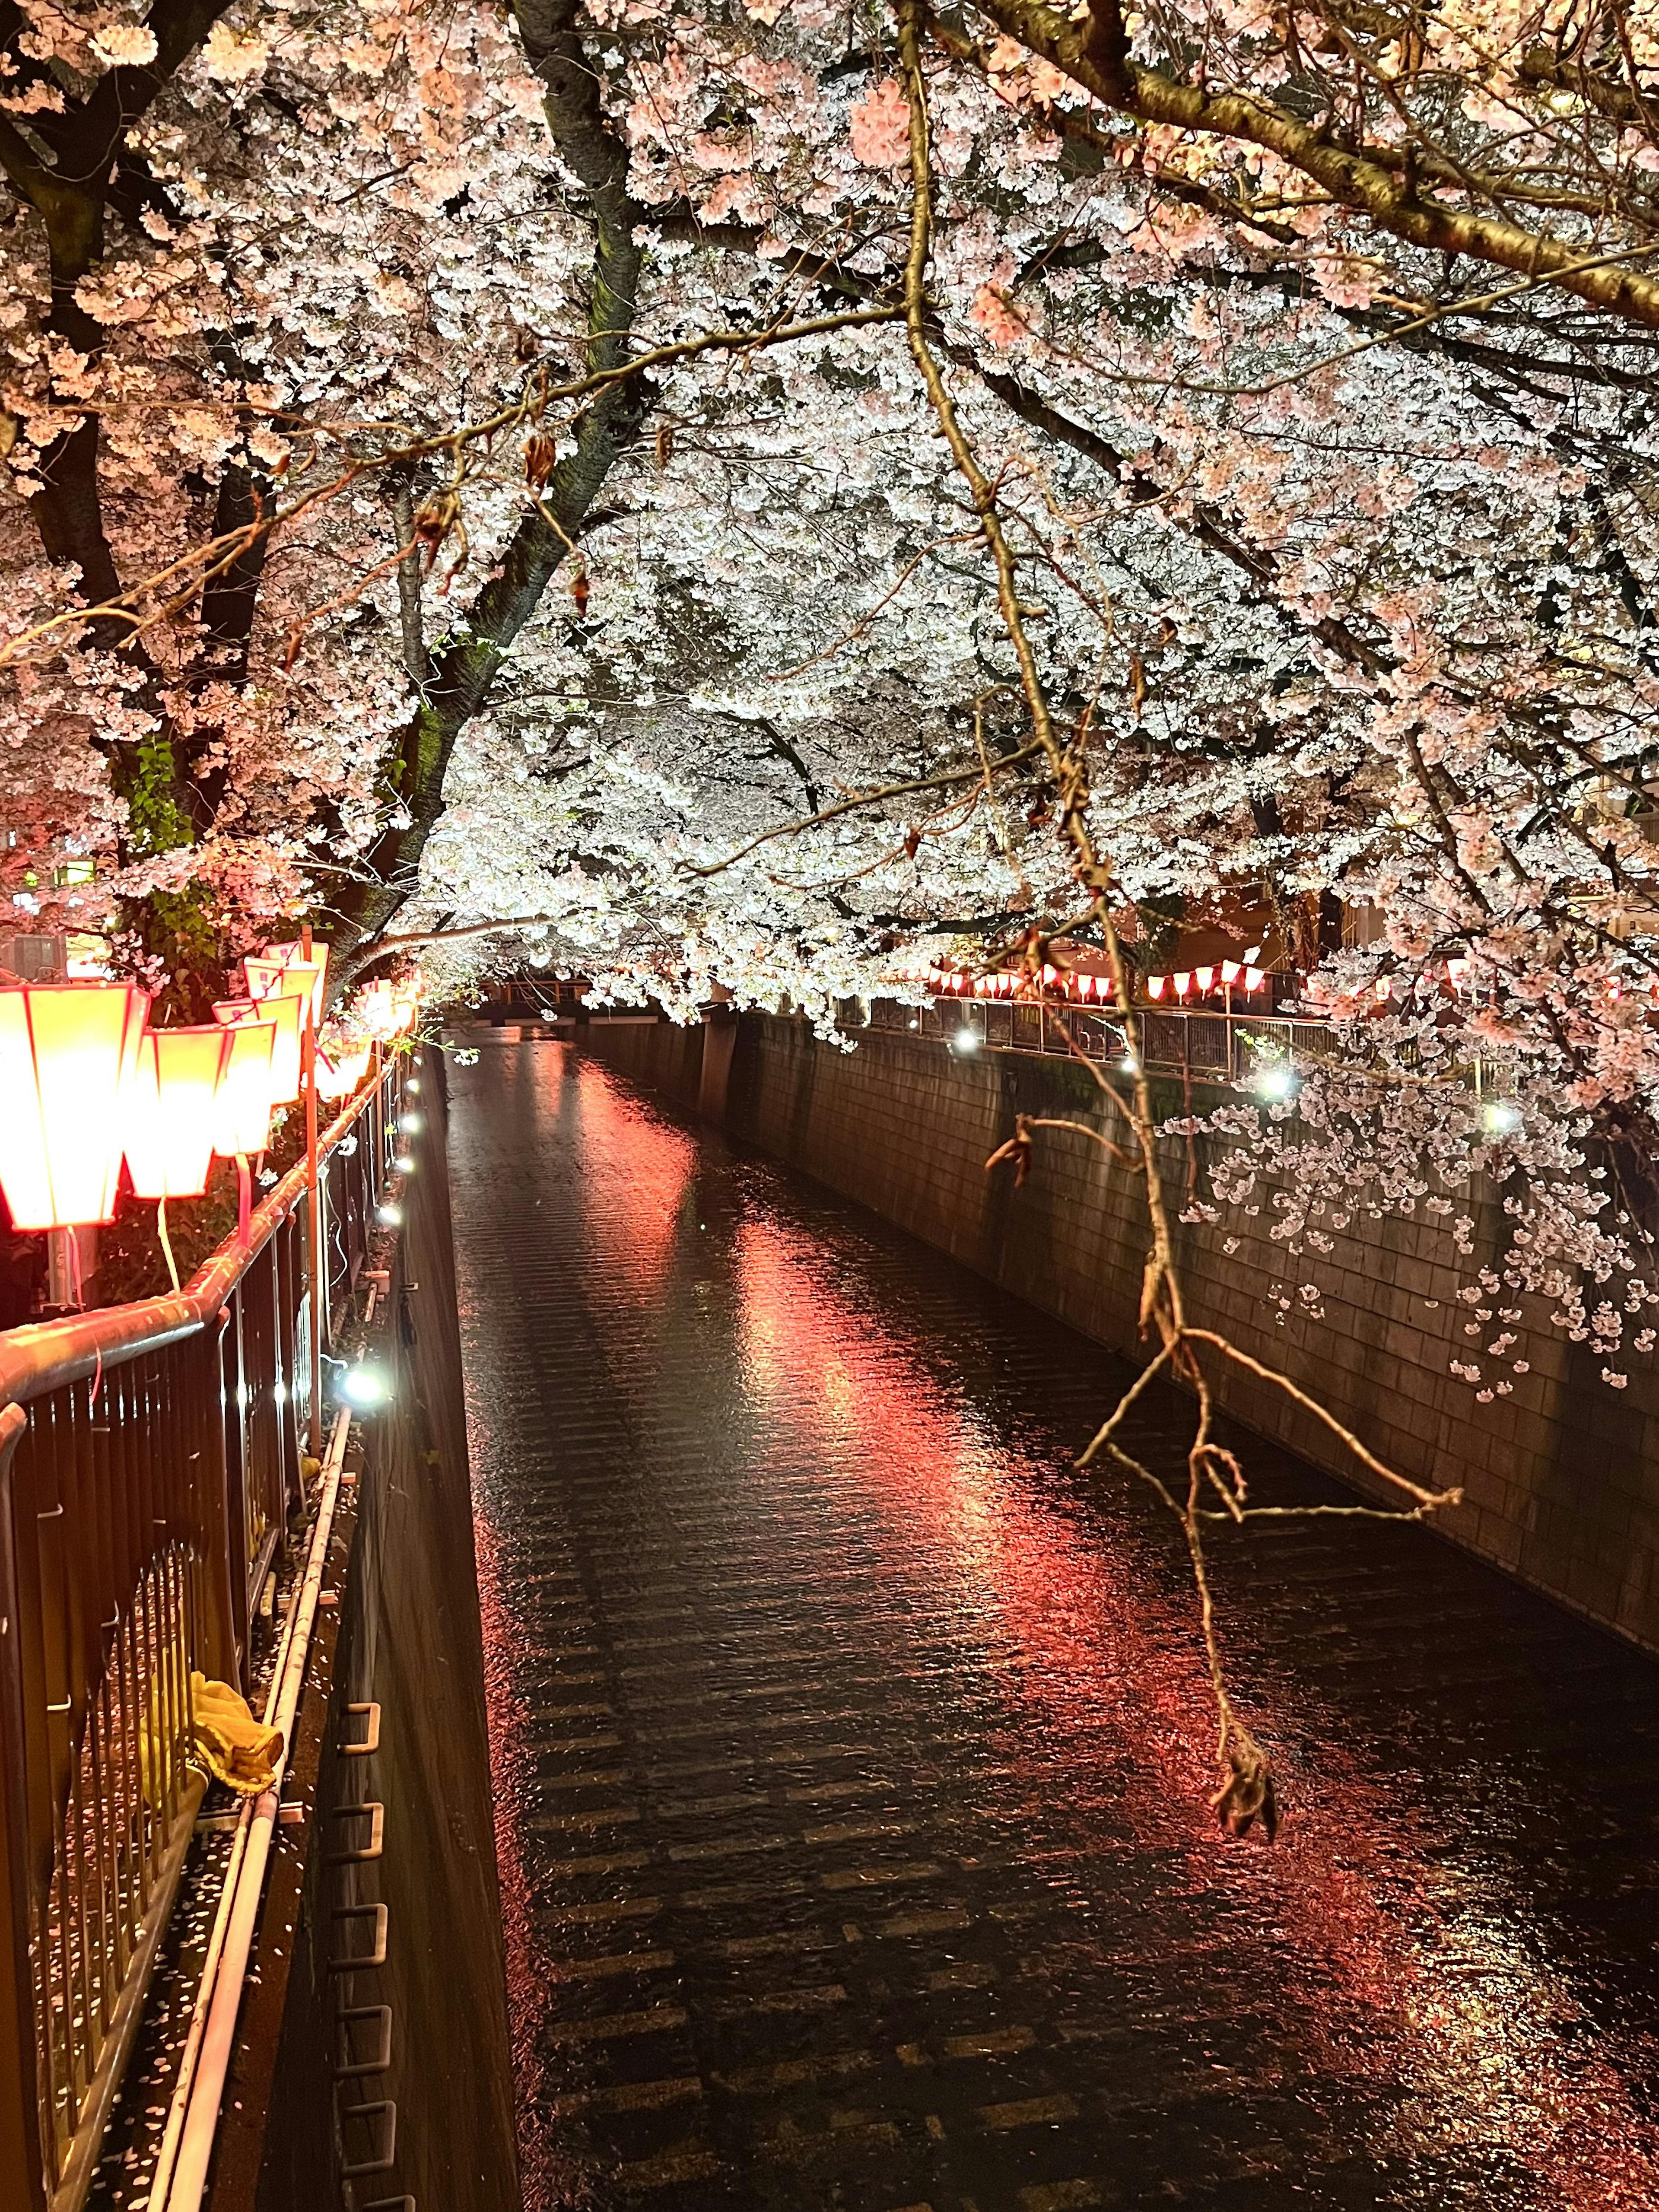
x=851, y=1749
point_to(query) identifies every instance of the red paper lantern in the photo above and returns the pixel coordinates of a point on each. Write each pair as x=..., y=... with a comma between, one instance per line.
x=379, y=1016
x=289, y=1015
x=293, y=955
x=282, y=979
x=66, y=1055
x=242, y=1119
x=171, y=1109
x=339, y=1076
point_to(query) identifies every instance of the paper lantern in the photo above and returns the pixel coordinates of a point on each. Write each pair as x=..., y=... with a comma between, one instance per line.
x=289, y=1014
x=1254, y=979
x=282, y=979
x=293, y=955
x=242, y=1120
x=1229, y=971
x=1205, y=977
x=1155, y=986
x=1184, y=983
x=171, y=1111
x=339, y=1074
x=67, y=1052
x=377, y=1013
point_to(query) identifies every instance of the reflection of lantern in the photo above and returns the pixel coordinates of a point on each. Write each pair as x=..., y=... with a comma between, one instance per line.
x=293, y=955
x=171, y=1111
x=242, y=1122
x=66, y=1054
x=289, y=1014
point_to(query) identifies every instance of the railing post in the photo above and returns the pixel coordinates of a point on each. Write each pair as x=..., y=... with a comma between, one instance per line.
x=313, y=1214
x=20, y=2120
x=224, y=1509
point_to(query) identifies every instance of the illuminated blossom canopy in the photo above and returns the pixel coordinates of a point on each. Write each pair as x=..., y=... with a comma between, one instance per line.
x=348, y=566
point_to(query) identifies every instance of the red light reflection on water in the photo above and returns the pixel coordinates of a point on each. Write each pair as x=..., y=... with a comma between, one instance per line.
x=510, y=1730
x=1114, y=1683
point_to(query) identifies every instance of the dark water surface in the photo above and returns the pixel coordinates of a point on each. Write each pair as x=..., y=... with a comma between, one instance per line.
x=852, y=1749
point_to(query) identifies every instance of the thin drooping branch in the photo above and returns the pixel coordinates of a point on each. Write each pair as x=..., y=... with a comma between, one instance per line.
x=1245, y=1792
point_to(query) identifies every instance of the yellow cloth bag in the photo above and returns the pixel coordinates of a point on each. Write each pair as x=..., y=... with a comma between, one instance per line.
x=240, y=1750
x=225, y=1739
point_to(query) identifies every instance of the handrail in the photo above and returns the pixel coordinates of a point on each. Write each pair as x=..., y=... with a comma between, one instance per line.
x=152, y=1455
x=43, y=1355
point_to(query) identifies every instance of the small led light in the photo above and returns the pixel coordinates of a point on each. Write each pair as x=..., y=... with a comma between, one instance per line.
x=1501, y=1117
x=965, y=1041
x=1276, y=1082
x=403, y=1164
x=389, y=1216
x=414, y=1085
x=1129, y=1064
x=915, y=1025
x=363, y=1388
x=411, y=1124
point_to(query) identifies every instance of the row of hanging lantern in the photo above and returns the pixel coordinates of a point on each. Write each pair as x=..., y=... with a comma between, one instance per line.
x=1241, y=974
x=1086, y=986
x=85, y=1084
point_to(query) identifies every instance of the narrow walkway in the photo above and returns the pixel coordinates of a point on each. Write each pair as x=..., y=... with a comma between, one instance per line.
x=851, y=1751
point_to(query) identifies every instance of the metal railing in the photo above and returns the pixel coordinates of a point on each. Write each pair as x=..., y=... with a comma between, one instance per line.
x=1208, y=1048
x=150, y=1457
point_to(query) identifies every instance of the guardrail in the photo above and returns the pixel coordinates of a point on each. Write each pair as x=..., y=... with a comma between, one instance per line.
x=1219, y=1047
x=150, y=1459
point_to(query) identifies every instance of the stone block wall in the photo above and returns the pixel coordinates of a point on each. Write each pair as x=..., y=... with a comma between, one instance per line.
x=1560, y=1479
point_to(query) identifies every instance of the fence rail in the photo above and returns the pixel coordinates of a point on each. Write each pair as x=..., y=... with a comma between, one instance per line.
x=1220, y=1048
x=150, y=1457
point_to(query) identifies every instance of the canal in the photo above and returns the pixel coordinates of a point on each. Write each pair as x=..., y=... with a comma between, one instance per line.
x=852, y=1749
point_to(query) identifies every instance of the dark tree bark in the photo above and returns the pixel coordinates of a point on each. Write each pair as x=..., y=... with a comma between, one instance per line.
x=458, y=682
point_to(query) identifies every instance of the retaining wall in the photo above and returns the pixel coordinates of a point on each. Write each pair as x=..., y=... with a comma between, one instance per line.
x=411, y=1641
x=1560, y=1480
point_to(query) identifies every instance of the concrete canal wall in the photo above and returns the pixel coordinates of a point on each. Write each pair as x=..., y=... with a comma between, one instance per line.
x=1560, y=1480
x=411, y=1642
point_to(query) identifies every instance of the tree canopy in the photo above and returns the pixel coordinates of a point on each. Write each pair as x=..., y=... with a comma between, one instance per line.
x=468, y=463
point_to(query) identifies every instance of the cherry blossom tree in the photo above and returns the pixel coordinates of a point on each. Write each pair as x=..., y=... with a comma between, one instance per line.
x=511, y=485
